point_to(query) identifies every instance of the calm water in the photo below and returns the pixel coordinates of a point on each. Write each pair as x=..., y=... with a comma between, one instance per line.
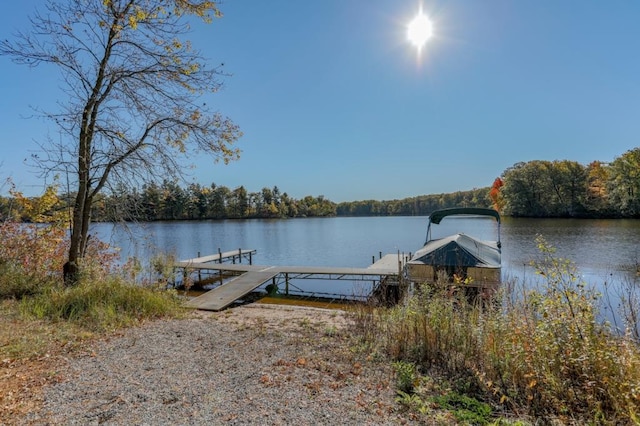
x=602, y=249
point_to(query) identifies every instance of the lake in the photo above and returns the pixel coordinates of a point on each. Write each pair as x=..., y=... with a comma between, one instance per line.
x=602, y=249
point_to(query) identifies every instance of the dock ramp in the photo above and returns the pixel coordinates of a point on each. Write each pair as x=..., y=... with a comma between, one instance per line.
x=222, y=296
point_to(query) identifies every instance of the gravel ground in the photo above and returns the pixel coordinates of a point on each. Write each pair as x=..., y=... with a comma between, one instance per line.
x=253, y=364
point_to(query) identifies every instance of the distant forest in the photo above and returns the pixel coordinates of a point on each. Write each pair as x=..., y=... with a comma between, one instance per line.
x=528, y=189
x=171, y=202
x=570, y=189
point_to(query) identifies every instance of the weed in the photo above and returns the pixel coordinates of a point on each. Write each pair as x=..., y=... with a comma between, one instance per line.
x=406, y=377
x=15, y=283
x=413, y=402
x=305, y=323
x=465, y=409
x=330, y=331
x=507, y=422
x=272, y=290
x=162, y=271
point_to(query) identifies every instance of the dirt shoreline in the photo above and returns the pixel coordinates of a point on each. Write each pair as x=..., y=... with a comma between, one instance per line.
x=252, y=364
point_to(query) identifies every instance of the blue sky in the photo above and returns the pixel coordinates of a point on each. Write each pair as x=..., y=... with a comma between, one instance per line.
x=334, y=101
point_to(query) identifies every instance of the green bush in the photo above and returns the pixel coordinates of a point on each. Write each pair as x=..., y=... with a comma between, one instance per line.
x=466, y=409
x=406, y=376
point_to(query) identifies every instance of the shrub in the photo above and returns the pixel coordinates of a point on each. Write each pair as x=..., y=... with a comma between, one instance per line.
x=30, y=255
x=35, y=244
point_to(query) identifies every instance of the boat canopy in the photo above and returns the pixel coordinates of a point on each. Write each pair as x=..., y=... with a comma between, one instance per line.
x=458, y=250
x=438, y=215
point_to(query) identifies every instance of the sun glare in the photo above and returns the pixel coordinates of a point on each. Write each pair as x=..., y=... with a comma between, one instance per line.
x=419, y=30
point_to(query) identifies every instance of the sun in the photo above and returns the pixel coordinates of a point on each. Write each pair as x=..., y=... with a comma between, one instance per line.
x=419, y=30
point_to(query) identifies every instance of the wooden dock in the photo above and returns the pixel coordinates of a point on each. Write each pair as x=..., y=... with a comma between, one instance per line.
x=222, y=296
x=227, y=256
x=253, y=276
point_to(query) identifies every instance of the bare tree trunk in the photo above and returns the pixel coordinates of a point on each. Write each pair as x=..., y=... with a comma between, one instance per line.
x=86, y=221
x=71, y=267
x=82, y=207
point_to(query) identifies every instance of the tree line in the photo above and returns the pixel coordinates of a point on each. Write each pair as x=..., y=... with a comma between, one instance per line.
x=569, y=189
x=170, y=201
x=538, y=188
x=421, y=205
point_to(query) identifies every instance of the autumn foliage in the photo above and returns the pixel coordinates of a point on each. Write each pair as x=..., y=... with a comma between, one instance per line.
x=34, y=245
x=494, y=194
x=35, y=242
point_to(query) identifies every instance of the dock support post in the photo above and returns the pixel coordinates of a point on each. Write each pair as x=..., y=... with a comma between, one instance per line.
x=250, y=260
x=240, y=254
x=199, y=273
x=219, y=255
x=286, y=283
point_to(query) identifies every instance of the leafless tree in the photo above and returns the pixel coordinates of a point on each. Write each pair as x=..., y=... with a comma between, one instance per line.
x=133, y=89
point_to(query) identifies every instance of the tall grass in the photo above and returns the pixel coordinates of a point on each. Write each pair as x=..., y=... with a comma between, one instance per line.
x=46, y=316
x=16, y=283
x=104, y=304
x=542, y=349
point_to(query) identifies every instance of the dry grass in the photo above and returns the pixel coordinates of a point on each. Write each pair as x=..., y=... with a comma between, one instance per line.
x=542, y=350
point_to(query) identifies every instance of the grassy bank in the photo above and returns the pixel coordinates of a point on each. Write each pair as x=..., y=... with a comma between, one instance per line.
x=54, y=315
x=538, y=350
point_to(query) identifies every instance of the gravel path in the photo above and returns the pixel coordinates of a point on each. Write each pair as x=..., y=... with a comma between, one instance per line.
x=254, y=364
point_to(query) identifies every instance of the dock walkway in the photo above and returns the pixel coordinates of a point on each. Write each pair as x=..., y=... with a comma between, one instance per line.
x=222, y=296
x=253, y=276
x=227, y=256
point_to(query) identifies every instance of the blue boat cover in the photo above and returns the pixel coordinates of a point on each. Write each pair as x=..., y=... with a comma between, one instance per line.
x=459, y=250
